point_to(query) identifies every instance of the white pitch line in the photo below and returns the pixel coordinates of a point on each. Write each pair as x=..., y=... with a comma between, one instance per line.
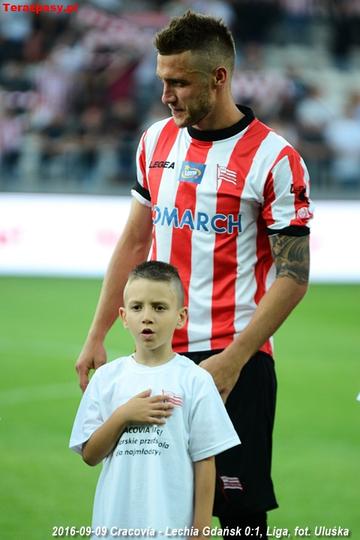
x=13, y=396
x=44, y=392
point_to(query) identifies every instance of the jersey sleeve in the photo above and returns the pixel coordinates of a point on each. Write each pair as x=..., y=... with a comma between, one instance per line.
x=88, y=418
x=141, y=189
x=287, y=208
x=211, y=430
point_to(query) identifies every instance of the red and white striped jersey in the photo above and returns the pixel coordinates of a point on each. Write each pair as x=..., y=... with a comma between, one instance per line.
x=215, y=197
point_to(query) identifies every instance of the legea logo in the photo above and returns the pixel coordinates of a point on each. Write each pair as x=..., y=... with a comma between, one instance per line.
x=192, y=172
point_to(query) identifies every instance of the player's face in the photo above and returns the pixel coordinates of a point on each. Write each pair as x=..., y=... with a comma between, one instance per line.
x=152, y=313
x=187, y=90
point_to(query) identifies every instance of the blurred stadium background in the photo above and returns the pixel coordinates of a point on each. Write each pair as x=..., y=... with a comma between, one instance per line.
x=76, y=91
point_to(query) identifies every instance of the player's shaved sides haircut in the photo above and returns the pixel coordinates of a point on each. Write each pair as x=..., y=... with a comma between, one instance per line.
x=201, y=34
x=159, y=271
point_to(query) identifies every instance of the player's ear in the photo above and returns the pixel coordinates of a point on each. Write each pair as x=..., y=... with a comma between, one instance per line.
x=122, y=315
x=220, y=76
x=182, y=317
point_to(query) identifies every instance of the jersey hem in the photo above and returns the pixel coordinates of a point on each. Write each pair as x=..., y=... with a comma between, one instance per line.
x=292, y=230
x=140, y=198
x=230, y=443
x=202, y=347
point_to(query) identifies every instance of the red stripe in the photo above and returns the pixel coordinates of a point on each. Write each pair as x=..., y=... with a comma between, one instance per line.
x=263, y=251
x=142, y=161
x=299, y=184
x=262, y=267
x=163, y=147
x=231, y=482
x=175, y=401
x=182, y=238
x=298, y=181
x=173, y=398
x=225, y=252
x=269, y=192
x=269, y=198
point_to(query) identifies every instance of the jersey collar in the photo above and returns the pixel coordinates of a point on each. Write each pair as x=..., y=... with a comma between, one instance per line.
x=219, y=134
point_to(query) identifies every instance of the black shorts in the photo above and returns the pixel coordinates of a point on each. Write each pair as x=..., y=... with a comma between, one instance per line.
x=244, y=484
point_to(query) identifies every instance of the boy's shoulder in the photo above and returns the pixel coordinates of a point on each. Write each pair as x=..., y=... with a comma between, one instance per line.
x=193, y=369
x=113, y=367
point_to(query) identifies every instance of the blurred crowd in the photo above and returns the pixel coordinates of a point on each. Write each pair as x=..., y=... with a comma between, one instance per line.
x=77, y=89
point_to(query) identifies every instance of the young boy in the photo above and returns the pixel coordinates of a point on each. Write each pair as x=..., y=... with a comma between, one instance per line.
x=154, y=418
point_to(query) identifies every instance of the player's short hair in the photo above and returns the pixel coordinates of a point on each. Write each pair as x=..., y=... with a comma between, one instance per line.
x=159, y=271
x=198, y=33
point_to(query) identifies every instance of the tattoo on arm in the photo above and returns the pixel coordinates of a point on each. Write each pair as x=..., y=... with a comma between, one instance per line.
x=291, y=256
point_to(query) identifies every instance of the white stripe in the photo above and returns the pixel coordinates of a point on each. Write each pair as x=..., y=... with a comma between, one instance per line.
x=285, y=212
x=167, y=194
x=148, y=140
x=307, y=184
x=200, y=324
x=200, y=307
x=175, y=401
x=264, y=158
x=251, y=200
x=139, y=175
x=245, y=286
x=231, y=482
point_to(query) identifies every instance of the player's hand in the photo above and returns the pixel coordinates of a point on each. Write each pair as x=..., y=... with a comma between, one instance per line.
x=147, y=409
x=92, y=356
x=224, y=371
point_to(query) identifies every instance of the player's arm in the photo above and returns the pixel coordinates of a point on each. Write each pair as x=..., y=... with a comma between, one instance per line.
x=131, y=249
x=291, y=257
x=141, y=409
x=204, y=478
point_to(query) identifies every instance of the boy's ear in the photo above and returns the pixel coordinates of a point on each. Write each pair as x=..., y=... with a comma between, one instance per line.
x=182, y=317
x=122, y=315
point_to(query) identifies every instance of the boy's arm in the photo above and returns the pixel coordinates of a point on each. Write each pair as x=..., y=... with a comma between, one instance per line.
x=204, y=493
x=142, y=408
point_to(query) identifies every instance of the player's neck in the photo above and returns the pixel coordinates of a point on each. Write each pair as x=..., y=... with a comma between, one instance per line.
x=225, y=114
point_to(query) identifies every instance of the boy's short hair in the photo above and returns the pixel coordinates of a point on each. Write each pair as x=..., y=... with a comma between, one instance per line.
x=198, y=33
x=159, y=271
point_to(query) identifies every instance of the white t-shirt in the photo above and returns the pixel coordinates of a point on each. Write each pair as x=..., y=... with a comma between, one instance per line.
x=147, y=481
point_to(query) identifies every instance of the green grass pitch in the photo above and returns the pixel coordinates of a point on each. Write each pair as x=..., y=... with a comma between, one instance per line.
x=316, y=465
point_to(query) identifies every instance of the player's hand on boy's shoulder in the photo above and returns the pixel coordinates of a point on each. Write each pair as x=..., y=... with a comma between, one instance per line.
x=92, y=356
x=147, y=409
x=224, y=371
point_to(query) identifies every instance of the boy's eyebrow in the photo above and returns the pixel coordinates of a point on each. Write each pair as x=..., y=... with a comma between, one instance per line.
x=155, y=303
